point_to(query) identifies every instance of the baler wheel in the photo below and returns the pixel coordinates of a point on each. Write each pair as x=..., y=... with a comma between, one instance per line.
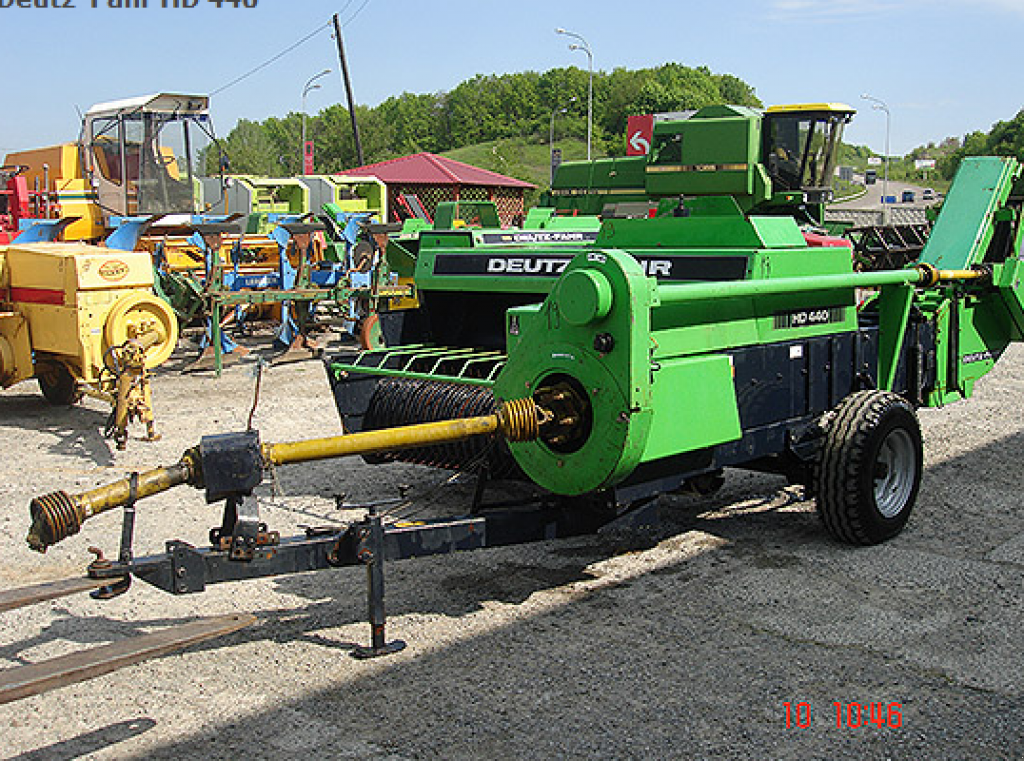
x=370, y=334
x=58, y=385
x=869, y=471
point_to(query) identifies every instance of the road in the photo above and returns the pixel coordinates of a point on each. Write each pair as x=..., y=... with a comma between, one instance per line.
x=873, y=198
x=689, y=645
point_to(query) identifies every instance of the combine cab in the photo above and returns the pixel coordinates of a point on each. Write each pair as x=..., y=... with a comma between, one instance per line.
x=778, y=161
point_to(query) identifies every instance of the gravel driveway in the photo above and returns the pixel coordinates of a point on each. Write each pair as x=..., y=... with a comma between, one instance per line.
x=687, y=646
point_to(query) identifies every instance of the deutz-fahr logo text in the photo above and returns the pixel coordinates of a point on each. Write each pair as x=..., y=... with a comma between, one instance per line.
x=113, y=270
x=527, y=265
x=543, y=266
x=980, y=356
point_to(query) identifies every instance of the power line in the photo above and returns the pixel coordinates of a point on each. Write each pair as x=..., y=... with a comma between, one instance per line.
x=269, y=61
x=357, y=12
x=290, y=48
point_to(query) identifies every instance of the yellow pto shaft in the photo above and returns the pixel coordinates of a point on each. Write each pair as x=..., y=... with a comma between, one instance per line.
x=59, y=515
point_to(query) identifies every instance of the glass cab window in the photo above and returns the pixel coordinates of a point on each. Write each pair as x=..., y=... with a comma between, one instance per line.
x=106, y=149
x=149, y=163
x=800, y=149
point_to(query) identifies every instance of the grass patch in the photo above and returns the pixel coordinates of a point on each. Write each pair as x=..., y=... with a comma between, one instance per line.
x=520, y=158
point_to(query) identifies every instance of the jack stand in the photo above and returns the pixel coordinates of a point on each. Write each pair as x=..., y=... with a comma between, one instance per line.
x=371, y=552
x=478, y=491
x=125, y=556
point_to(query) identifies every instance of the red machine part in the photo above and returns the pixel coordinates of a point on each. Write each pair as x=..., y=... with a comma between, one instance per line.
x=816, y=240
x=17, y=202
x=14, y=201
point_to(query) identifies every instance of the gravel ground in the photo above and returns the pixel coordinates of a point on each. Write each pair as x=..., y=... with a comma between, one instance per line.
x=690, y=645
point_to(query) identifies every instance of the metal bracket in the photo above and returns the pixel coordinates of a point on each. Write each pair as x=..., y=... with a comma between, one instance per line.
x=246, y=531
x=188, y=570
x=241, y=530
x=125, y=557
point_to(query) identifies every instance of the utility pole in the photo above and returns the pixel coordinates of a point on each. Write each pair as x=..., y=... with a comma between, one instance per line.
x=348, y=90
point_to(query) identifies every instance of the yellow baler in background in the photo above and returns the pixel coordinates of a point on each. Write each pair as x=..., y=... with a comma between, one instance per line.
x=84, y=319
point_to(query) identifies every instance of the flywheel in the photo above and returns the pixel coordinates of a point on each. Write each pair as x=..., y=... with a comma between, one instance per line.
x=132, y=314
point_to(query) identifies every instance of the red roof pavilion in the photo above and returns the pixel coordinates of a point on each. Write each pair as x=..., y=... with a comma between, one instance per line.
x=432, y=179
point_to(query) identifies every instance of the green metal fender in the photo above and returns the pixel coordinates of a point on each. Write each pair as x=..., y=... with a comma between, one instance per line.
x=592, y=333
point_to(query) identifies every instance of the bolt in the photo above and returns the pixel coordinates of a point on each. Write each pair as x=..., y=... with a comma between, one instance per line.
x=604, y=343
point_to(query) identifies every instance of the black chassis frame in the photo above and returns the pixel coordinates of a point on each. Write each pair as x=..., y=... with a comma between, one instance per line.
x=781, y=403
x=250, y=551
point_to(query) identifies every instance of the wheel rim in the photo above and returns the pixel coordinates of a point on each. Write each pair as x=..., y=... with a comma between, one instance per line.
x=370, y=334
x=895, y=469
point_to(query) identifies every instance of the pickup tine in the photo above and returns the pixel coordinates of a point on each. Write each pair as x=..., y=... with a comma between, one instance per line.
x=35, y=678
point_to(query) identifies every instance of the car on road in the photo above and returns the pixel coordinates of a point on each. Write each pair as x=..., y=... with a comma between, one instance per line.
x=908, y=196
x=928, y=195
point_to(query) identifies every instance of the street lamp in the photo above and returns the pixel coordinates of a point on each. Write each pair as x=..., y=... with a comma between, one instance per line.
x=551, y=137
x=879, y=105
x=305, y=91
x=585, y=47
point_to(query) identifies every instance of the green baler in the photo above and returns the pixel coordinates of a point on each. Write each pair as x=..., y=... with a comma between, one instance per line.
x=610, y=371
x=687, y=343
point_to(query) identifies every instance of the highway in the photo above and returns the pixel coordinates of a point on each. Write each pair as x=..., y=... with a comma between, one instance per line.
x=873, y=198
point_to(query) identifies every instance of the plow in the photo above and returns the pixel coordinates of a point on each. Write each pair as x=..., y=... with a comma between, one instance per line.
x=603, y=368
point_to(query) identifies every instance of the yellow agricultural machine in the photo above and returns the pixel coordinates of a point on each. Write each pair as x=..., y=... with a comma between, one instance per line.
x=83, y=319
x=146, y=174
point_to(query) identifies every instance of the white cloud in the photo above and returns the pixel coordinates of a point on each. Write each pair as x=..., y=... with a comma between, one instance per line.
x=835, y=9
x=841, y=9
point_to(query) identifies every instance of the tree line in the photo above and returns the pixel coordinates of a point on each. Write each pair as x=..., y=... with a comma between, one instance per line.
x=481, y=109
x=1004, y=139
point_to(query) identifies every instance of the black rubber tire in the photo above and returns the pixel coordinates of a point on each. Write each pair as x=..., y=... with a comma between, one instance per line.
x=58, y=384
x=868, y=430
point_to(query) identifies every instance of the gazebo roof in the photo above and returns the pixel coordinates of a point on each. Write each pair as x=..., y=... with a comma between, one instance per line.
x=431, y=169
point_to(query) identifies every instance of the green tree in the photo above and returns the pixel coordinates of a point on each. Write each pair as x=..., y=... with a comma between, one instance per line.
x=482, y=109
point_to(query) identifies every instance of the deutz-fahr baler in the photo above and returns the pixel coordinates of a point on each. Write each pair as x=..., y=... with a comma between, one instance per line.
x=609, y=371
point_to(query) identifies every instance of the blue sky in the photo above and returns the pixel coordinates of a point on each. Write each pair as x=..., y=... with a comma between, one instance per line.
x=944, y=67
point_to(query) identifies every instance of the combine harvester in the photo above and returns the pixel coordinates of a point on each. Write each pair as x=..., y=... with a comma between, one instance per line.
x=136, y=159
x=778, y=161
x=653, y=357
